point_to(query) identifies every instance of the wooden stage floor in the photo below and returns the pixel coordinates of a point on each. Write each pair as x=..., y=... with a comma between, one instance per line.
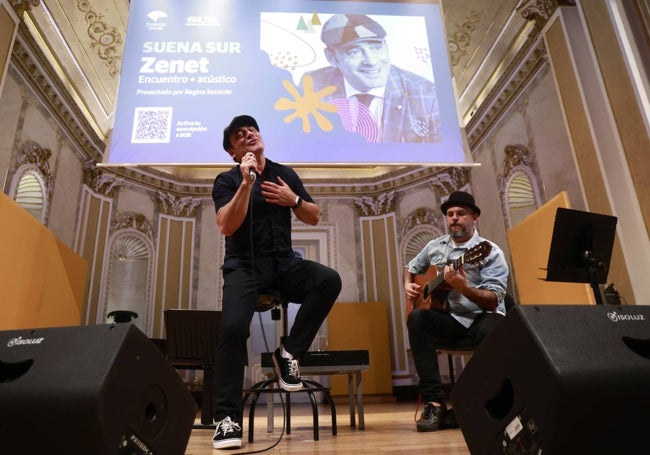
x=389, y=429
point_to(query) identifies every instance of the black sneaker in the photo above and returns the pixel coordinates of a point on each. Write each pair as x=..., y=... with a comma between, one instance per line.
x=449, y=420
x=288, y=372
x=430, y=418
x=227, y=434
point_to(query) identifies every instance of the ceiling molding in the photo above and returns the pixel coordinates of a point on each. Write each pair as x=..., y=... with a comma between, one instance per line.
x=529, y=61
x=518, y=57
x=33, y=66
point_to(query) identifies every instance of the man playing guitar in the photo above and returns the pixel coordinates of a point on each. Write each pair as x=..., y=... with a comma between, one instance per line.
x=455, y=288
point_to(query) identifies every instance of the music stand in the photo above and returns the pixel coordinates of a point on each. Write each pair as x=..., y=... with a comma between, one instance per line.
x=581, y=248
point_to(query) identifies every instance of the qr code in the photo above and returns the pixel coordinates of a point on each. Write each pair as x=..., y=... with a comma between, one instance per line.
x=152, y=125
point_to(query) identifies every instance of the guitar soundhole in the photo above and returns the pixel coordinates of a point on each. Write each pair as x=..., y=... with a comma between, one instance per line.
x=434, y=287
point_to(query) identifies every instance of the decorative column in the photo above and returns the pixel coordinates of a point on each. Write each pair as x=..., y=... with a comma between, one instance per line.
x=93, y=231
x=175, y=253
x=382, y=268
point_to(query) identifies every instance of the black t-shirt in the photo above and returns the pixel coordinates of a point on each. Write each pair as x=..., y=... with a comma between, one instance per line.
x=271, y=224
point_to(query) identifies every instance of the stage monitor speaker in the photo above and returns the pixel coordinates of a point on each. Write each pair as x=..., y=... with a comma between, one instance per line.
x=559, y=379
x=91, y=390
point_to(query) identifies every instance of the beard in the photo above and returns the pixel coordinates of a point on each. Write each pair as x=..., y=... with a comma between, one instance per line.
x=459, y=233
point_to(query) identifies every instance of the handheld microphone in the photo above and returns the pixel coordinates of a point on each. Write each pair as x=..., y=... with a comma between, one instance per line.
x=252, y=175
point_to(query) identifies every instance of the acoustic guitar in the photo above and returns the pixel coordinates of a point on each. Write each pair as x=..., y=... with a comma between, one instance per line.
x=432, y=282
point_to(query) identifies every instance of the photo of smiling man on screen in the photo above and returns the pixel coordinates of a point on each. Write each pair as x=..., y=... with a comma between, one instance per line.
x=385, y=103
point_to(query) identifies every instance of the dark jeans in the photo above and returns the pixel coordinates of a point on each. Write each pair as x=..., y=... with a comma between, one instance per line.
x=430, y=328
x=309, y=283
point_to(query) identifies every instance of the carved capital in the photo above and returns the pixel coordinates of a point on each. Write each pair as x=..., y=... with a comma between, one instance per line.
x=421, y=217
x=132, y=220
x=185, y=207
x=381, y=205
x=446, y=183
x=540, y=11
x=99, y=181
x=20, y=6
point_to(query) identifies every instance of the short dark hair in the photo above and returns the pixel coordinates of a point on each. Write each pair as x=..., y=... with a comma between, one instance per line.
x=237, y=122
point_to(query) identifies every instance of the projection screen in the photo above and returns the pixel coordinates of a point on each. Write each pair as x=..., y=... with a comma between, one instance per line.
x=190, y=66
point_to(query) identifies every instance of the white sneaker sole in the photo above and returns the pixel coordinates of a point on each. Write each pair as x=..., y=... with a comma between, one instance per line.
x=234, y=443
x=284, y=385
x=289, y=387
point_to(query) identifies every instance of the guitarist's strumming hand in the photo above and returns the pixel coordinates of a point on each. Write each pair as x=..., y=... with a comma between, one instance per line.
x=413, y=291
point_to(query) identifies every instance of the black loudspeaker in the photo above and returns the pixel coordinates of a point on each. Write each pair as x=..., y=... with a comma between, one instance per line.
x=91, y=390
x=558, y=379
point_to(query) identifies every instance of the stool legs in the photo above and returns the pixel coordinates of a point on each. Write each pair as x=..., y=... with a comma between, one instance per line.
x=269, y=387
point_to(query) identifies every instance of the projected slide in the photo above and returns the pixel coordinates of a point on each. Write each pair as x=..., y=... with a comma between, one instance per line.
x=329, y=82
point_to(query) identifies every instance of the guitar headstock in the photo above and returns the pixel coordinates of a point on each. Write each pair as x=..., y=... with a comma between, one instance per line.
x=477, y=254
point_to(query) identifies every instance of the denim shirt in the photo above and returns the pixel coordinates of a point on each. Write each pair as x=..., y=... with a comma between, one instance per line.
x=490, y=274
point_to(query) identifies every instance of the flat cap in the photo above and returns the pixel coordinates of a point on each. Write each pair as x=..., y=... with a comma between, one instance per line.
x=347, y=28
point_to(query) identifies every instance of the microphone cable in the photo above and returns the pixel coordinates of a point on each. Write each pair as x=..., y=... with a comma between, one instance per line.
x=272, y=446
x=252, y=249
x=266, y=343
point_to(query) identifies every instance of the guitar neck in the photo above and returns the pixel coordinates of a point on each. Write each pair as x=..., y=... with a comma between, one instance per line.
x=473, y=256
x=458, y=261
x=440, y=277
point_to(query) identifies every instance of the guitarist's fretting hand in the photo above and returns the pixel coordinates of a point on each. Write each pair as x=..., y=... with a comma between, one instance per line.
x=455, y=279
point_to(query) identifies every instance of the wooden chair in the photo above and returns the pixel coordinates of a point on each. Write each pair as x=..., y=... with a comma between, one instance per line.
x=192, y=337
x=466, y=347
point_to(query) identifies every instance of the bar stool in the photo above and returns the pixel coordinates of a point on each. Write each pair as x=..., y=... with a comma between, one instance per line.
x=278, y=305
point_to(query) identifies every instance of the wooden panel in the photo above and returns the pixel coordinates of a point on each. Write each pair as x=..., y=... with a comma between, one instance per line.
x=43, y=280
x=362, y=325
x=530, y=243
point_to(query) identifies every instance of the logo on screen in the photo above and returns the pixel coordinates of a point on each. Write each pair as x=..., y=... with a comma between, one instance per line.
x=157, y=20
x=202, y=21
